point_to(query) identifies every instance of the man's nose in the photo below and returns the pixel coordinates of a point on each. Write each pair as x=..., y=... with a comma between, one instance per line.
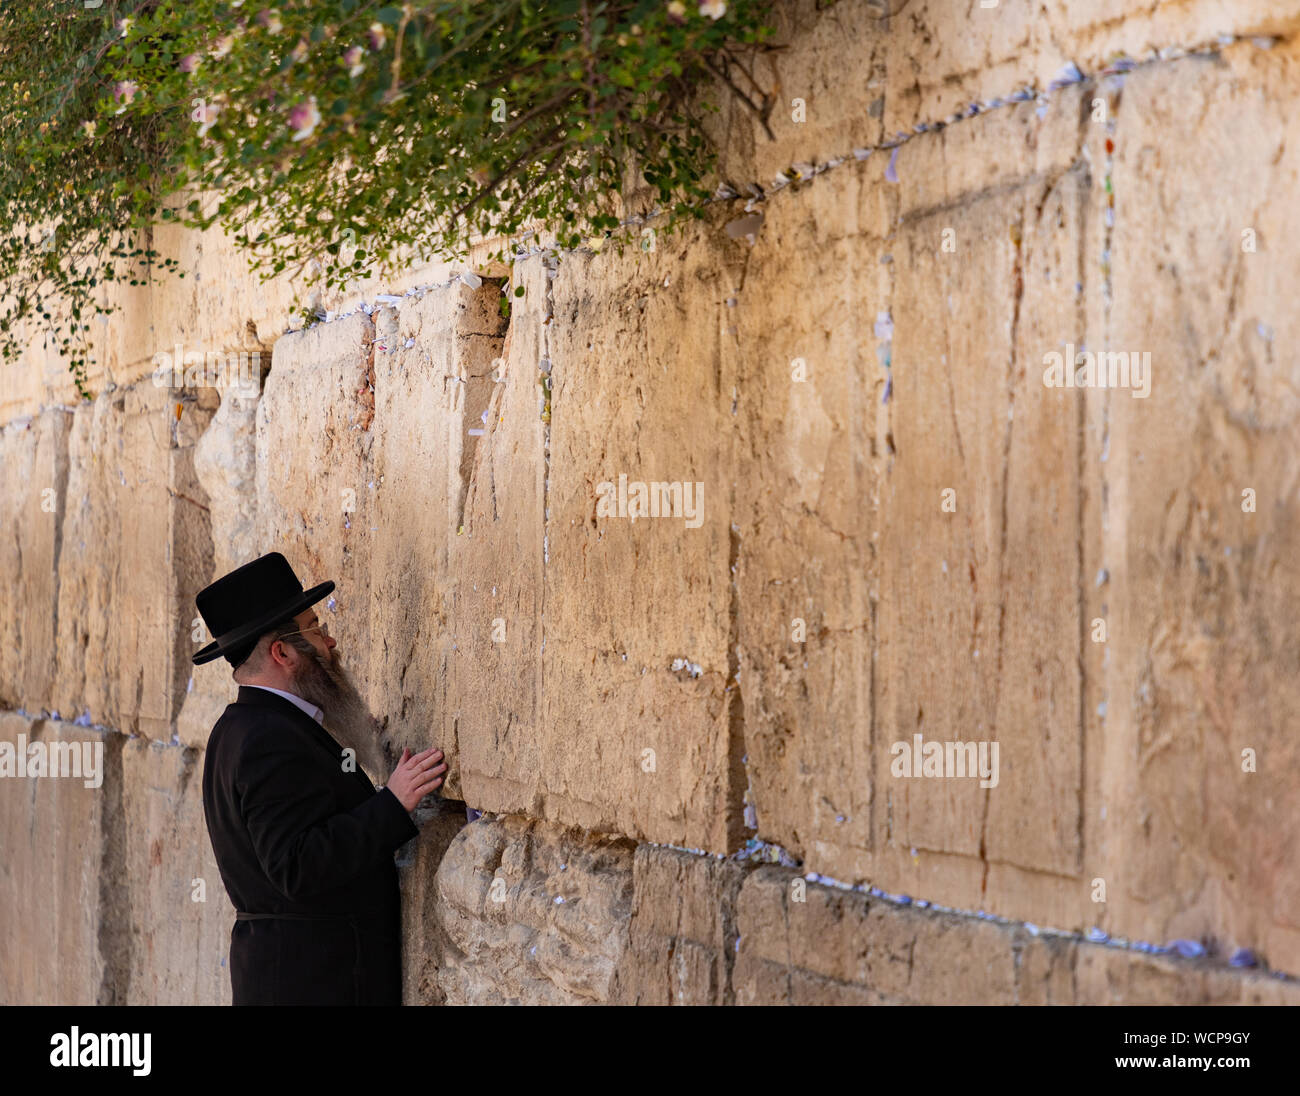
x=331, y=642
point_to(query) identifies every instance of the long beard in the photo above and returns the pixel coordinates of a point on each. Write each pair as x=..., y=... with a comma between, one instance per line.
x=325, y=683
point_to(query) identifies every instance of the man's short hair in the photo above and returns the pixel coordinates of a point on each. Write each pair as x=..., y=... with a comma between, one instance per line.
x=240, y=659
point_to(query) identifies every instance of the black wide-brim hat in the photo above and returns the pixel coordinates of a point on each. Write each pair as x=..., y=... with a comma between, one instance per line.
x=250, y=601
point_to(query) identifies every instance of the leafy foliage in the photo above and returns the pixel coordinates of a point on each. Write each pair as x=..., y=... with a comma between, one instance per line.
x=341, y=132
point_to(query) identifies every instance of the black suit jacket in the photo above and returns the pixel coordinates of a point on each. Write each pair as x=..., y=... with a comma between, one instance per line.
x=308, y=847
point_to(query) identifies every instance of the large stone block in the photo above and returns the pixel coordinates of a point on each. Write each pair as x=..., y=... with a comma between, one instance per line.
x=33, y=489
x=425, y=943
x=135, y=548
x=638, y=690
x=682, y=935
x=63, y=872
x=811, y=382
x=315, y=490
x=447, y=459
x=172, y=899
x=532, y=914
x=843, y=530
x=810, y=944
x=848, y=948
x=216, y=304
x=1198, y=516
x=825, y=82
x=493, y=718
x=225, y=466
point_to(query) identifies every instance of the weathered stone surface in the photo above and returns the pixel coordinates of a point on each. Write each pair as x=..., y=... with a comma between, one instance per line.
x=637, y=613
x=682, y=934
x=812, y=427
x=826, y=82
x=1198, y=588
x=417, y=862
x=220, y=305
x=836, y=939
x=1106, y=976
x=988, y=584
x=942, y=57
x=434, y=667
x=60, y=875
x=657, y=925
x=843, y=947
x=315, y=500
x=134, y=551
x=33, y=489
x=492, y=717
x=173, y=903
x=531, y=915
x=225, y=465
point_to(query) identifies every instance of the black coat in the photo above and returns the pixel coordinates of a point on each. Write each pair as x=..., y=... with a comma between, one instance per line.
x=300, y=839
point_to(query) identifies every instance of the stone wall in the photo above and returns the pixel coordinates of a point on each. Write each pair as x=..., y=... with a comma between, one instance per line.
x=681, y=729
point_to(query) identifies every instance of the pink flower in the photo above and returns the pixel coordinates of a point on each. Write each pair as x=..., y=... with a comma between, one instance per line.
x=299, y=52
x=206, y=115
x=270, y=20
x=714, y=9
x=304, y=118
x=189, y=62
x=353, y=59
x=221, y=47
x=123, y=92
x=377, y=36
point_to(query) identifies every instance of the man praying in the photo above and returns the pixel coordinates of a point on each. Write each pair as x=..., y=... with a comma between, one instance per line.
x=303, y=840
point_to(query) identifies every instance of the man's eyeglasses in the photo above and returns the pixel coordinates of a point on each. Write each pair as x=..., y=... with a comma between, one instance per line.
x=320, y=626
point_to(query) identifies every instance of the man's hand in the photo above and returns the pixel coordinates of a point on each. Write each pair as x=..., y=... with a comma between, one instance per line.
x=416, y=776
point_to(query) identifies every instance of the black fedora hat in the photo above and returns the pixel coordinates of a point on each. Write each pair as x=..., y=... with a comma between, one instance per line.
x=250, y=601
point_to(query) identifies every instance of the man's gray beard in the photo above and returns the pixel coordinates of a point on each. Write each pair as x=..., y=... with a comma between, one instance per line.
x=325, y=683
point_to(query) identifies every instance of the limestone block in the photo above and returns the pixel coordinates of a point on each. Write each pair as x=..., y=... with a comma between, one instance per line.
x=433, y=671
x=638, y=610
x=980, y=628
x=811, y=378
x=179, y=946
x=134, y=550
x=424, y=942
x=1198, y=514
x=218, y=305
x=895, y=953
x=33, y=488
x=61, y=873
x=225, y=465
x=532, y=914
x=493, y=718
x=682, y=934
x=315, y=503
x=656, y=925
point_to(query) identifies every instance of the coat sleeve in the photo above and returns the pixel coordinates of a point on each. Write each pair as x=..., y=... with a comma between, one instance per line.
x=303, y=846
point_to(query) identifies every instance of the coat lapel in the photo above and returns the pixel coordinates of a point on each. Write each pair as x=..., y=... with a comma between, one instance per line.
x=318, y=734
